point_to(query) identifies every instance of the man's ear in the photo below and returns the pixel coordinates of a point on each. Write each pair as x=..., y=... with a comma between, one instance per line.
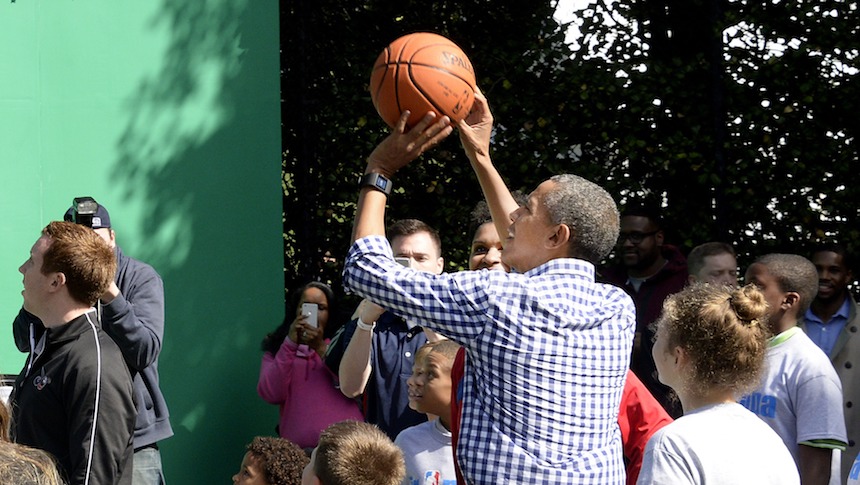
x=560, y=238
x=58, y=281
x=659, y=236
x=440, y=263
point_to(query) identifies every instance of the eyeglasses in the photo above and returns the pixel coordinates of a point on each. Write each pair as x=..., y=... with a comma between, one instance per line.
x=635, y=237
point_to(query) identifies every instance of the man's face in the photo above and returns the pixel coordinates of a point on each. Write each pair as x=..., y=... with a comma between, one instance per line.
x=108, y=235
x=639, y=242
x=833, y=276
x=758, y=274
x=36, y=284
x=719, y=269
x=421, y=250
x=430, y=384
x=486, y=249
x=250, y=473
x=528, y=234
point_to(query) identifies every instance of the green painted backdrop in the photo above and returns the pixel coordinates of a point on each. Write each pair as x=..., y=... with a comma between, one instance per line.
x=168, y=114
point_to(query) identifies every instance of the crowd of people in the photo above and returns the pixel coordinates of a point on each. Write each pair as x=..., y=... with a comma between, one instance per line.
x=537, y=365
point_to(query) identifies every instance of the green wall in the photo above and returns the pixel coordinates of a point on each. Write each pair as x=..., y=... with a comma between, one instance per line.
x=168, y=114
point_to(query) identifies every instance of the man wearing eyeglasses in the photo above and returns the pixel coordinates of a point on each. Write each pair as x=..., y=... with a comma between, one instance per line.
x=649, y=271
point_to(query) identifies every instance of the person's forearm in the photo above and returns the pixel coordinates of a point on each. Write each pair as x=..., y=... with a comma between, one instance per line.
x=496, y=192
x=814, y=465
x=354, y=370
x=369, y=214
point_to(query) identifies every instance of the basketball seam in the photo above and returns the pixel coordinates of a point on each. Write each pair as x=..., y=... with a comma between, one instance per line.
x=438, y=109
x=406, y=64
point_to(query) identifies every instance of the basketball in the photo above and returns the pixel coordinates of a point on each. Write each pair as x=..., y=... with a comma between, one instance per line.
x=422, y=72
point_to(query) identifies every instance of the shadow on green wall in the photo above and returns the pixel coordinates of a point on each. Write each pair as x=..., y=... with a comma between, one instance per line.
x=202, y=148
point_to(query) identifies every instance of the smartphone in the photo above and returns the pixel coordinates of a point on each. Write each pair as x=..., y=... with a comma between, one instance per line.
x=403, y=262
x=311, y=311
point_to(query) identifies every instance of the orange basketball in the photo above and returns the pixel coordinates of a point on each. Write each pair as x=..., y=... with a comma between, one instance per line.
x=422, y=72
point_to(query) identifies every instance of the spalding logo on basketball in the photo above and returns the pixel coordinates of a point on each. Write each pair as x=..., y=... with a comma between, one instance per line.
x=422, y=72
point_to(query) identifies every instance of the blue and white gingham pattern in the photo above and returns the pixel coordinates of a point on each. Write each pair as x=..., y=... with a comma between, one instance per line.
x=548, y=354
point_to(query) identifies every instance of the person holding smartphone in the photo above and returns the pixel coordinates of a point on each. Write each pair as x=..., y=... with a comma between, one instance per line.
x=293, y=374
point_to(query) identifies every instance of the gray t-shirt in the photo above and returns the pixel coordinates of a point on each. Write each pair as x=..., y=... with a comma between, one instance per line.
x=428, y=454
x=800, y=396
x=718, y=444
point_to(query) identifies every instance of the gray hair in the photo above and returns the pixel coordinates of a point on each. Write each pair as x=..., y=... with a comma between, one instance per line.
x=590, y=213
x=793, y=273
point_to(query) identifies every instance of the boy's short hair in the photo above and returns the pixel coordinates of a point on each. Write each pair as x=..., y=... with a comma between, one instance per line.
x=352, y=452
x=696, y=259
x=793, y=273
x=447, y=348
x=281, y=461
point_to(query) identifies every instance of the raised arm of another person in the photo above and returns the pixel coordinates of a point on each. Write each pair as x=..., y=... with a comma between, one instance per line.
x=475, y=131
x=134, y=318
x=354, y=370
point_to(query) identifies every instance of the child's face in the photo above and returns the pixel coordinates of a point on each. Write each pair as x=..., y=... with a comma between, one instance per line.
x=309, y=476
x=251, y=472
x=759, y=275
x=430, y=384
x=664, y=358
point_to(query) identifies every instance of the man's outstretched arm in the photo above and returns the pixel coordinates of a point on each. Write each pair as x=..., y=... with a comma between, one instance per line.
x=395, y=151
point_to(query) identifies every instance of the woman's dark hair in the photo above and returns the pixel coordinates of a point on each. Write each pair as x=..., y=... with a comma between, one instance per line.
x=272, y=341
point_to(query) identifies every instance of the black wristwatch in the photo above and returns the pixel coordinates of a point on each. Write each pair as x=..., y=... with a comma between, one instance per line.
x=376, y=181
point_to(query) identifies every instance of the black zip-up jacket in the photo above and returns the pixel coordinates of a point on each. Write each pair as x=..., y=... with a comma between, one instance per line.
x=73, y=399
x=135, y=321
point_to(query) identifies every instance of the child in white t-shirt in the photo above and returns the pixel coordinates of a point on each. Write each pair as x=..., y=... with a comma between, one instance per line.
x=710, y=347
x=427, y=447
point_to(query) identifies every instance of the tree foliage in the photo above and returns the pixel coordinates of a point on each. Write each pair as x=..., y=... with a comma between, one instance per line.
x=688, y=101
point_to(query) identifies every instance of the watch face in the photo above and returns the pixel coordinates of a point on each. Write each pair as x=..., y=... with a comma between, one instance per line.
x=382, y=183
x=377, y=181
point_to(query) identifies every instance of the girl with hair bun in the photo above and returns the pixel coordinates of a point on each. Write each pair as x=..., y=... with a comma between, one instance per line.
x=710, y=347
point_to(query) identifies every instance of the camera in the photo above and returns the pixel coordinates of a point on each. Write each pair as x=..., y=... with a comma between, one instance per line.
x=83, y=210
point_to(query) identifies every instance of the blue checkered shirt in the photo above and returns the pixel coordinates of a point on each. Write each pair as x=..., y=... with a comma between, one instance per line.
x=548, y=352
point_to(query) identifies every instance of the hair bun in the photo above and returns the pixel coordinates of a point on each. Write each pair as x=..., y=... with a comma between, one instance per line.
x=749, y=305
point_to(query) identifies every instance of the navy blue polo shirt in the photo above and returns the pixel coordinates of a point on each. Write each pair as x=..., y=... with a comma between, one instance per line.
x=386, y=398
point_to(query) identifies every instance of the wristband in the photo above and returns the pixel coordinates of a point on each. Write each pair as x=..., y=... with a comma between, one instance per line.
x=367, y=327
x=376, y=181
